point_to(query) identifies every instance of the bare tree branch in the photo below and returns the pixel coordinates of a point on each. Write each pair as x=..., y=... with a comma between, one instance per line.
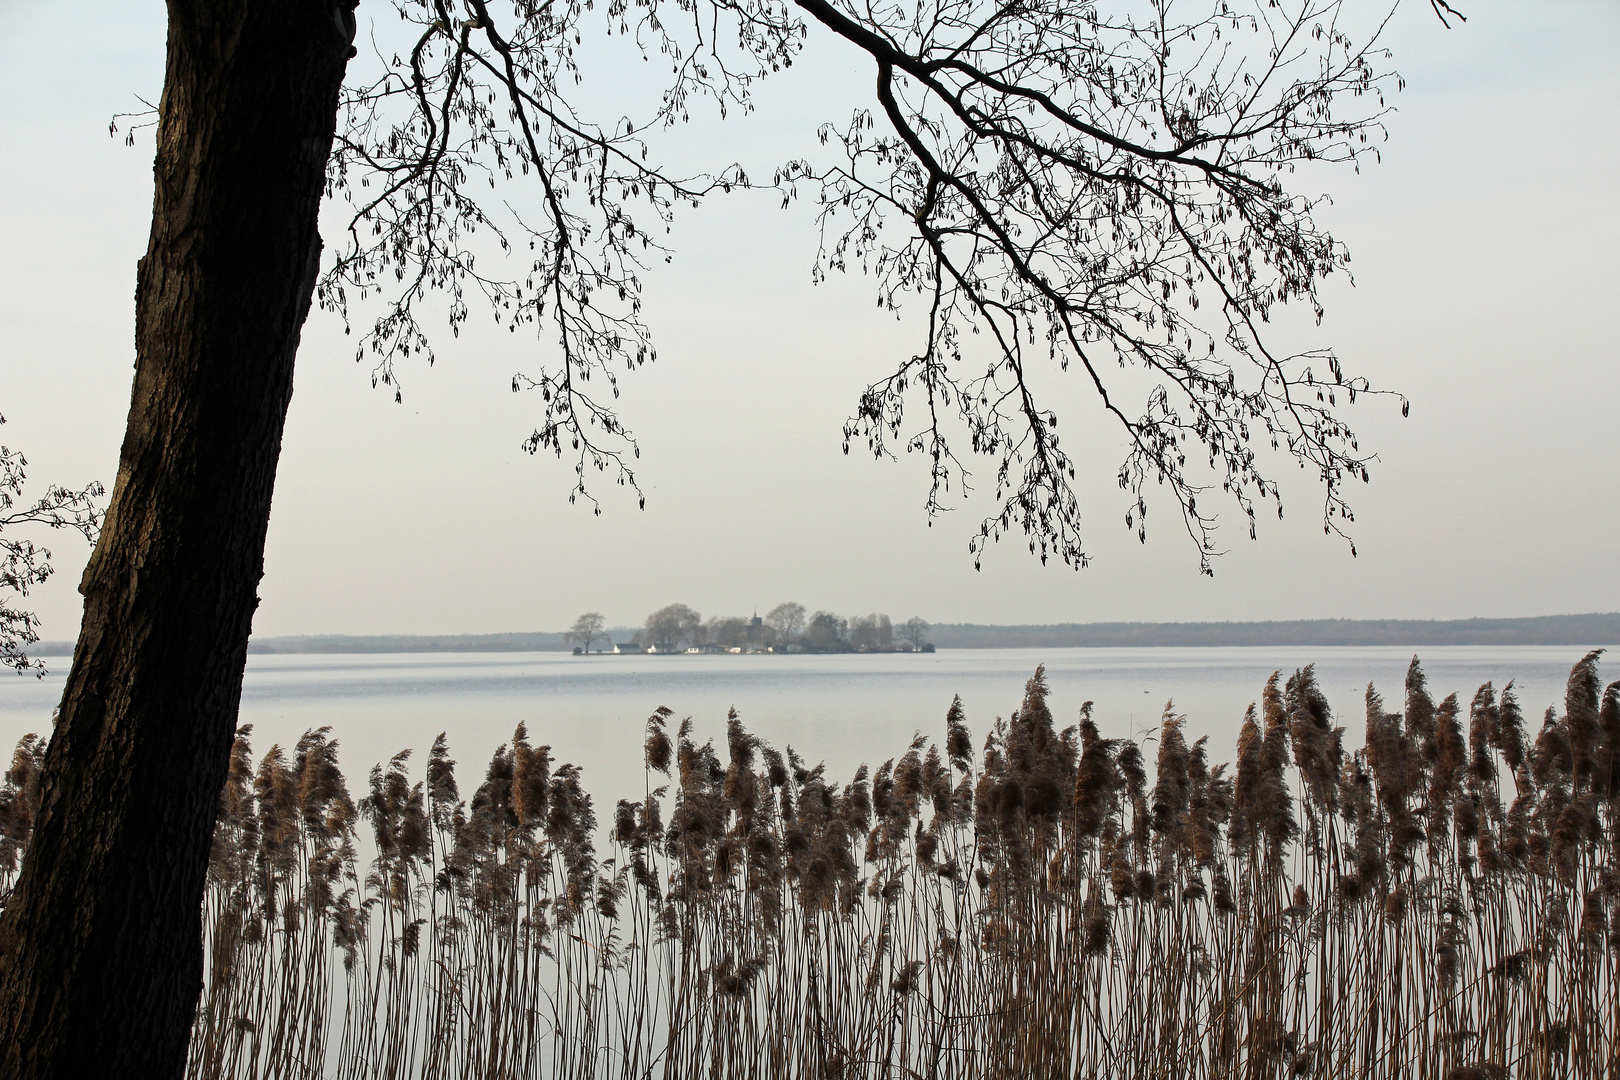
x=23, y=563
x=1075, y=189
x=1066, y=183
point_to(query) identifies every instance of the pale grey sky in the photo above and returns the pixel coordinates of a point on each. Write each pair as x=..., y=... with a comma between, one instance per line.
x=1485, y=253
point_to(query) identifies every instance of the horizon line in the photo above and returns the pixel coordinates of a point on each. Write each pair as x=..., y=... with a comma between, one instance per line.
x=1139, y=633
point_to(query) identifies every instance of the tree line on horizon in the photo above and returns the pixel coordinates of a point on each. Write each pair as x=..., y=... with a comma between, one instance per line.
x=786, y=627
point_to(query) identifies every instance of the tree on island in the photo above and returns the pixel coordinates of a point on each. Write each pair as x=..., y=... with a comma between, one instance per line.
x=825, y=632
x=586, y=629
x=914, y=632
x=670, y=627
x=729, y=631
x=873, y=632
x=787, y=620
x=1052, y=187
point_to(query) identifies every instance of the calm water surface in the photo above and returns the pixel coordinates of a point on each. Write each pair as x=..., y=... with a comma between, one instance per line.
x=839, y=709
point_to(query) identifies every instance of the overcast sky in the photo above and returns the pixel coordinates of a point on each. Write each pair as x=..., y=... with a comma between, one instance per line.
x=1485, y=251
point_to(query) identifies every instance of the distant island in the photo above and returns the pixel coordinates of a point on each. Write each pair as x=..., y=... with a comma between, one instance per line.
x=1575, y=630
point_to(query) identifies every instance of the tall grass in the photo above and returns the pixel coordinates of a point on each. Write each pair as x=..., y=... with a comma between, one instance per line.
x=1443, y=902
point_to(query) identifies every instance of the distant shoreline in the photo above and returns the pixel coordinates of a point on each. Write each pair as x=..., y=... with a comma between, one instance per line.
x=1574, y=630
x=1597, y=629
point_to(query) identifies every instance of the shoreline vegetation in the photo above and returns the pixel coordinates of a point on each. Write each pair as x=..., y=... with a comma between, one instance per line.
x=1023, y=900
x=1575, y=631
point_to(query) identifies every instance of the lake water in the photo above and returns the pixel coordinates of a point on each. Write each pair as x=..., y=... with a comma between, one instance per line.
x=842, y=709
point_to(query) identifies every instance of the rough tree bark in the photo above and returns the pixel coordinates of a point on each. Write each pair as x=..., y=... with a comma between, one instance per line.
x=100, y=944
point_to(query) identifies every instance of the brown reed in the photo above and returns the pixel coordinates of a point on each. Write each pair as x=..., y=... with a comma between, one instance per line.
x=1442, y=902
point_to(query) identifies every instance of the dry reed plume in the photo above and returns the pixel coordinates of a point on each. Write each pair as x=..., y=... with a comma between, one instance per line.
x=1444, y=902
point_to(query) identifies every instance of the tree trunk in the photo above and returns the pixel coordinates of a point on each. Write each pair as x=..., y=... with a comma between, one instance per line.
x=100, y=944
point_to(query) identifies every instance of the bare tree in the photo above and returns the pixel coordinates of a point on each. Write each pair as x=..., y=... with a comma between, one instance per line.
x=914, y=631
x=23, y=563
x=673, y=625
x=787, y=620
x=1056, y=185
x=586, y=629
x=872, y=632
x=100, y=946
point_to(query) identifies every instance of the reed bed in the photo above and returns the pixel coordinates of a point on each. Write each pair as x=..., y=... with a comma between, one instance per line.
x=1443, y=902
